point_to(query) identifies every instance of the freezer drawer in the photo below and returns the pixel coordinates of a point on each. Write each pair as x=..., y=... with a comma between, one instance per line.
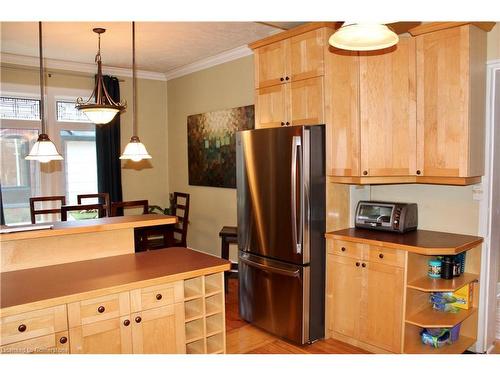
x=275, y=296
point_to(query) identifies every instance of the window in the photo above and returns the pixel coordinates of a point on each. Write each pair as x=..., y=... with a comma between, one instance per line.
x=19, y=109
x=68, y=128
x=80, y=163
x=18, y=176
x=66, y=111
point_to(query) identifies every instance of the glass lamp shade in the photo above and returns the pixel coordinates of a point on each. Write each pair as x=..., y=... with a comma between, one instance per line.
x=44, y=150
x=135, y=150
x=100, y=115
x=363, y=37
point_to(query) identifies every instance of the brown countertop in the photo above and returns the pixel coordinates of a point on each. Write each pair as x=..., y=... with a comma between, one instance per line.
x=65, y=283
x=424, y=242
x=93, y=225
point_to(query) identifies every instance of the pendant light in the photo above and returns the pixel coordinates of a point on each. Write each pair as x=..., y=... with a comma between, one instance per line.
x=43, y=150
x=134, y=150
x=103, y=108
x=363, y=37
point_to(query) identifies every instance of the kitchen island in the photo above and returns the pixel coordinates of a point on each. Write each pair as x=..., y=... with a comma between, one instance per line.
x=163, y=301
x=72, y=241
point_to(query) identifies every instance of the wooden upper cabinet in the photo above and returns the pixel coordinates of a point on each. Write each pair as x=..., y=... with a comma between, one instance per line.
x=305, y=55
x=387, y=108
x=451, y=81
x=342, y=113
x=306, y=101
x=271, y=64
x=271, y=106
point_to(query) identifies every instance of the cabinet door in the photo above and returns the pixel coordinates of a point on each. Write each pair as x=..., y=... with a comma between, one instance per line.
x=306, y=101
x=344, y=281
x=388, y=111
x=270, y=107
x=381, y=311
x=342, y=113
x=443, y=102
x=55, y=343
x=112, y=336
x=159, y=331
x=306, y=55
x=270, y=64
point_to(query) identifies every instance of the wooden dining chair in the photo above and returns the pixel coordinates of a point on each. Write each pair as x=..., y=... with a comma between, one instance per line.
x=117, y=208
x=55, y=198
x=180, y=208
x=101, y=210
x=102, y=198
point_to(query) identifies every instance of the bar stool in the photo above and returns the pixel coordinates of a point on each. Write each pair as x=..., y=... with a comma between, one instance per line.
x=228, y=236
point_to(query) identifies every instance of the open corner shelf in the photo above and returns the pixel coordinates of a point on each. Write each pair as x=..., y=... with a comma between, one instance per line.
x=427, y=284
x=413, y=345
x=430, y=318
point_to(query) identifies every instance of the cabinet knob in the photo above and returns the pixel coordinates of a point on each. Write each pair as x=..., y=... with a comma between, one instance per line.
x=342, y=248
x=101, y=309
x=282, y=79
x=138, y=319
x=126, y=322
x=365, y=173
x=159, y=296
x=419, y=172
x=63, y=340
x=287, y=78
x=287, y=123
x=21, y=328
x=282, y=123
x=357, y=264
x=363, y=265
x=381, y=255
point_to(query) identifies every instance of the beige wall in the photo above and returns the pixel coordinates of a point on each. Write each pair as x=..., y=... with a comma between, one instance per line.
x=140, y=180
x=224, y=86
x=494, y=43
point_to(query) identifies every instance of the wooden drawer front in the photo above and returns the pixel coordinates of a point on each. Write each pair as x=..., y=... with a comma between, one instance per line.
x=33, y=324
x=98, y=309
x=348, y=249
x=156, y=296
x=387, y=256
x=55, y=343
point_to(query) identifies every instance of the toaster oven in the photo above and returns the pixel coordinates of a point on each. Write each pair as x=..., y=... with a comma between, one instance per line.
x=387, y=216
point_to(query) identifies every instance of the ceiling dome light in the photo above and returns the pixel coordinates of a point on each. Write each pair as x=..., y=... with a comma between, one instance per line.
x=363, y=37
x=43, y=150
x=102, y=109
x=134, y=150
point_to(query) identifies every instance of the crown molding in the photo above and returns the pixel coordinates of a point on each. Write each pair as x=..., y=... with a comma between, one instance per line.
x=229, y=55
x=9, y=58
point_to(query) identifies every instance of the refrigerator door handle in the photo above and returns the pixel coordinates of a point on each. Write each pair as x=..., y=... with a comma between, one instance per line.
x=296, y=226
x=267, y=268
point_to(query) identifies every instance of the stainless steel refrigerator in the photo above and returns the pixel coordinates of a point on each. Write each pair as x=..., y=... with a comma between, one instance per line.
x=281, y=226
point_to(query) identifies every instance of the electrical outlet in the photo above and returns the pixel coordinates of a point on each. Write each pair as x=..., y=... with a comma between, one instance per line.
x=477, y=192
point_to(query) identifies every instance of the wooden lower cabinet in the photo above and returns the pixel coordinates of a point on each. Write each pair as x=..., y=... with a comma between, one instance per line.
x=112, y=336
x=159, y=331
x=365, y=300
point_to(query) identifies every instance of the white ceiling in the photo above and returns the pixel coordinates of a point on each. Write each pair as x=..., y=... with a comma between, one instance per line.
x=160, y=46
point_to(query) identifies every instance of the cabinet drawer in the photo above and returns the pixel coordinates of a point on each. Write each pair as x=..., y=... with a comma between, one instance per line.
x=348, y=249
x=156, y=296
x=55, y=343
x=33, y=324
x=98, y=309
x=387, y=256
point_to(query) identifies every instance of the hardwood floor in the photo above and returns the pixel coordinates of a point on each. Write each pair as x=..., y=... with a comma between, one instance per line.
x=242, y=337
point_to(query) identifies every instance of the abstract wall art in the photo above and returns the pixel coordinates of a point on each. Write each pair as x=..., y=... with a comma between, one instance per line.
x=212, y=145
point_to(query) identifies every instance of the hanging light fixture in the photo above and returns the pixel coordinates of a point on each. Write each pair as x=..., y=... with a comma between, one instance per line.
x=43, y=150
x=103, y=108
x=134, y=150
x=363, y=37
